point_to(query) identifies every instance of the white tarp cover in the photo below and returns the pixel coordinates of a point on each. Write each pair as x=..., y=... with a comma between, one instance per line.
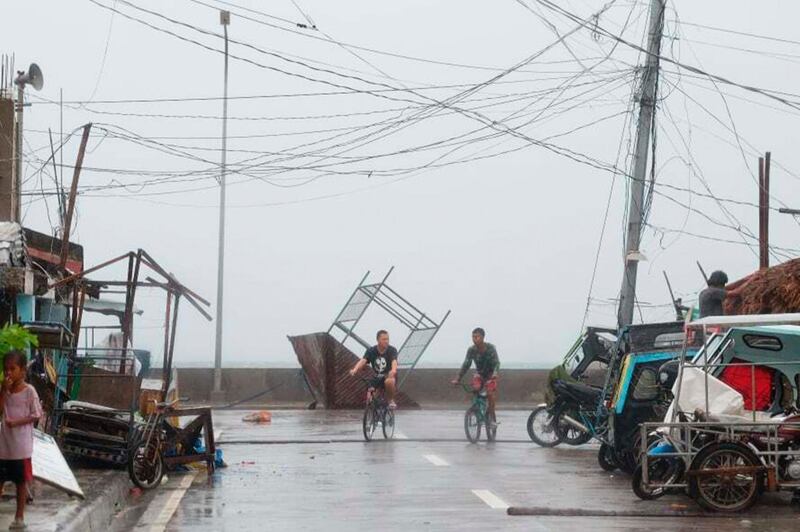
x=724, y=403
x=111, y=348
x=722, y=399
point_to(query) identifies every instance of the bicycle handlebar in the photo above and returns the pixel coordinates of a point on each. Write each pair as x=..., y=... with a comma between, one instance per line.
x=469, y=389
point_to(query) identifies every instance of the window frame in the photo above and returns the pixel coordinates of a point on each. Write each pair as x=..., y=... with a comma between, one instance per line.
x=748, y=338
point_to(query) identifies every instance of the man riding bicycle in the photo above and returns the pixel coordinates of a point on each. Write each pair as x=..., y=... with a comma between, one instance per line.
x=383, y=360
x=487, y=364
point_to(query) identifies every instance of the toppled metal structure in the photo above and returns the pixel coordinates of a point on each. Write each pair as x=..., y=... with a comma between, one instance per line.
x=327, y=360
x=326, y=363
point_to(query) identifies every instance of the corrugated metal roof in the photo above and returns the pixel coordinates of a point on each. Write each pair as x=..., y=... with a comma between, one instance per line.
x=326, y=363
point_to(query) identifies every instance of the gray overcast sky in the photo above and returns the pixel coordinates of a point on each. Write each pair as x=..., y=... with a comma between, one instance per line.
x=506, y=238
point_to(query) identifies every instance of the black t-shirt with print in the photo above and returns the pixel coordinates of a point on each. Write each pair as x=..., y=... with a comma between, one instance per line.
x=381, y=363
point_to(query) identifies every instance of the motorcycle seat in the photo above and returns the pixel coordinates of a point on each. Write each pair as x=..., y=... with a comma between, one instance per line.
x=582, y=393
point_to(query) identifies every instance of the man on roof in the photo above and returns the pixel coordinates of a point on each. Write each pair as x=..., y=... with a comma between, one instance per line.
x=712, y=298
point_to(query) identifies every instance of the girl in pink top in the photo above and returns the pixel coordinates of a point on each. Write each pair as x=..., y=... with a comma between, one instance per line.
x=19, y=404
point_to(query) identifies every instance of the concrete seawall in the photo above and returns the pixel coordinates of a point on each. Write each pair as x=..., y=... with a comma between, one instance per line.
x=284, y=387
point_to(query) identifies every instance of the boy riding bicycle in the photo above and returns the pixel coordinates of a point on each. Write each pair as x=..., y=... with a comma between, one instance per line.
x=383, y=360
x=487, y=364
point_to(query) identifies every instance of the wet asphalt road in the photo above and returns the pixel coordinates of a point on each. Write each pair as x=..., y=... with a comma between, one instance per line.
x=311, y=470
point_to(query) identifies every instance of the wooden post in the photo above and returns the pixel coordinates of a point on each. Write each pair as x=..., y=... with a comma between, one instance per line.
x=73, y=192
x=7, y=160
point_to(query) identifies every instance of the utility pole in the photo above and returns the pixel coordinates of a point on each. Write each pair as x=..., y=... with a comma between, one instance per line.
x=16, y=184
x=763, y=211
x=647, y=106
x=218, y=395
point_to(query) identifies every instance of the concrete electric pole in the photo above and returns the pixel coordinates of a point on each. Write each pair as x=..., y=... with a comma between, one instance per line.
x=217, y=394
x=647, y=105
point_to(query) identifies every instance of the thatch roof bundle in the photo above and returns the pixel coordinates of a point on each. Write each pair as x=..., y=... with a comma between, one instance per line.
x=771, y=291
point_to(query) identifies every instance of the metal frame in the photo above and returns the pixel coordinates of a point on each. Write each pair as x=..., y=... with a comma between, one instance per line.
x=78, y=284
x=681, y=434
x=398, y=307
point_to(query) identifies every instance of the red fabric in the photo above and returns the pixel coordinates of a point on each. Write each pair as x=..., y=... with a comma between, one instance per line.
x=740, y=378
x=491, y=384
x=27, y=470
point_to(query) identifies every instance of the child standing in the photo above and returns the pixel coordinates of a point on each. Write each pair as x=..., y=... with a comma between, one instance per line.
x=19, y=404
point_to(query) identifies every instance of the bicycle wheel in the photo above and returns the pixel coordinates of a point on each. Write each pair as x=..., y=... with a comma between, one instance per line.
x=541, y=428
x=491, y=426
x=472, y=424
x=145, y=466
x=727, y=479
x=388, y=424
x=369, y=422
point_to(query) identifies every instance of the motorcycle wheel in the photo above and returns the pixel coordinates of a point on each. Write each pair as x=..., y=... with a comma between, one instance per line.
x=569, y=434
x=541, y=428
x=605, y=457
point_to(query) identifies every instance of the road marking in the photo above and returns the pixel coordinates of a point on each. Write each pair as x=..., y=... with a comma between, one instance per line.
x=491, y=500
x=435, y=460
x=157, y=516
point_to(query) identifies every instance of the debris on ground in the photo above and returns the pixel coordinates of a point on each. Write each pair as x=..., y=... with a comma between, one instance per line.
x=262, y=416
x=774, y=290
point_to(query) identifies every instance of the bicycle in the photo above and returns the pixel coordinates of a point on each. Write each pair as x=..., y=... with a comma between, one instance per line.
x=377, y=411
x=477, y=415
x=146, y=458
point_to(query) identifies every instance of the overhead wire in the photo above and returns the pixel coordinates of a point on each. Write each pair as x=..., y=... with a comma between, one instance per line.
x=775, y=95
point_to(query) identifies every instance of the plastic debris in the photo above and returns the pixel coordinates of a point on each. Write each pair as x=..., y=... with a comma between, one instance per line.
x=263, y=416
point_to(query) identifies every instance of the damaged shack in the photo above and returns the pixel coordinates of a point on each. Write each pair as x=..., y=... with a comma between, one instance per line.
x=89, y=377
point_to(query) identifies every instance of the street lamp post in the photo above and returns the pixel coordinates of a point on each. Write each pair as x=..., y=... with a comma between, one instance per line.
x=218, y=395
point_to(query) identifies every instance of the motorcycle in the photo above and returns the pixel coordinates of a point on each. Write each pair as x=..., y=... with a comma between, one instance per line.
x=574, y=418
x=549, y=423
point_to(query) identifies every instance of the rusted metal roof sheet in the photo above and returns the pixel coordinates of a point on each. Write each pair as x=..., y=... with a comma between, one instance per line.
x=326, y=363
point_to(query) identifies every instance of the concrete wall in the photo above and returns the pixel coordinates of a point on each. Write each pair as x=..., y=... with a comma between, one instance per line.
x=429, y=387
